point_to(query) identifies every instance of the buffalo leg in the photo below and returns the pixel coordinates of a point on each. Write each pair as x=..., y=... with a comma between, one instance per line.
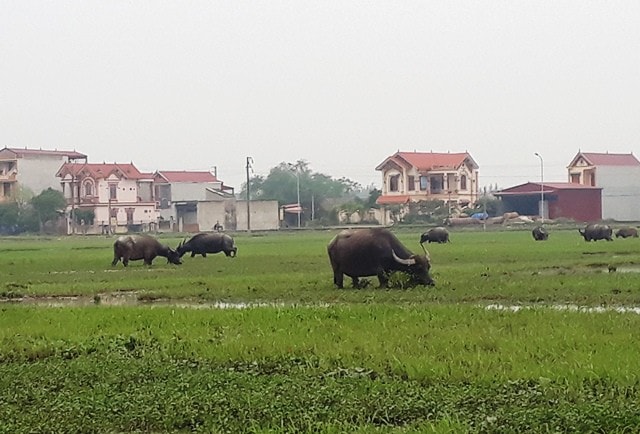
x=383, y=279
x=115, y=261
x=338, y=279
x=193, y=254
x=204, y=255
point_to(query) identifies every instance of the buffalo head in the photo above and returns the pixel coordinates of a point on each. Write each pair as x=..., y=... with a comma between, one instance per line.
x=173, y=257
x=417, y=267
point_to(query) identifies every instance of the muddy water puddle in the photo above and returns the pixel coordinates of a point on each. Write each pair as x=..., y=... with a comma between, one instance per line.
x=565, y=307
x=130, y=298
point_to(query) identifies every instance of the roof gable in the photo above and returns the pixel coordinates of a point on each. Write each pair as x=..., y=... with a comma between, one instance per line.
x=549, y=187
x=427, y=161
x=21, y=152
x=185, y=176
x=102, y=171
x=603, y=159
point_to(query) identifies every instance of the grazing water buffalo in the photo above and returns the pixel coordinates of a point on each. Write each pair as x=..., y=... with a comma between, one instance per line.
x=134, y=247
x=596, y=232
x=540, y=234
x=435, y=235
x=203, y=243
x=627, y=232
x=374, y=252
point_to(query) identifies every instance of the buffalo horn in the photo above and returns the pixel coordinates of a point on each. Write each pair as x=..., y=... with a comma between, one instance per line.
x=426, y=254
x=403, y=261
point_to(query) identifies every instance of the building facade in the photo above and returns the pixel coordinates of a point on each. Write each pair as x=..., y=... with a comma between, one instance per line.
x=618, y=175
x=33, y=169
x=119, y=195
x=178, y=194
x=417, y=176
x=581, y=203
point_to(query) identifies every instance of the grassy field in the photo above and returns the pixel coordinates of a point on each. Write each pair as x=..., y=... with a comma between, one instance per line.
x=516, y=336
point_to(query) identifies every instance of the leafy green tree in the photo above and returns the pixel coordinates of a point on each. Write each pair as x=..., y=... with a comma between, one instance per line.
x=285, y=179
x=48, y=205
x=9, y=218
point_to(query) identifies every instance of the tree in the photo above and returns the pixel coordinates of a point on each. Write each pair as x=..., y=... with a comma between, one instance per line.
x=282, y=185
x=48, y=205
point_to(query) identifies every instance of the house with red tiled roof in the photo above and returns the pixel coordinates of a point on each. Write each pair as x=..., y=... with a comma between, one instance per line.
x=34, y=169
x=416, y=176
x=618, y=175
x=119, y=195
x=178, y=193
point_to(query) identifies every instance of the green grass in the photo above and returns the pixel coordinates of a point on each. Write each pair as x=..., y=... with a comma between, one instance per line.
x=314, y=358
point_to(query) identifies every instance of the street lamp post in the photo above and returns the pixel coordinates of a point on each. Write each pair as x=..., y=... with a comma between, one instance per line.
x=297, y=173
x=541, y=187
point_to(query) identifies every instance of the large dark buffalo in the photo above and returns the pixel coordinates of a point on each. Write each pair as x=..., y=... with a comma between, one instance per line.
x=435, y=235
x=595, y=232
x=540, y=234
x=134, y=247
x=203, y=243
x=374, y=252
x=627, y=232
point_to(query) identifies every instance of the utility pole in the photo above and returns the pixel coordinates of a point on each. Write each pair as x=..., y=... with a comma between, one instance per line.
x=73, y=204
x=296, y=167
x=541, y=187
x=249, y=162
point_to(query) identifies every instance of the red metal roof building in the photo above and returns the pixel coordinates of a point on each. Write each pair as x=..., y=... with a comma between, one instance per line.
x=581, y=203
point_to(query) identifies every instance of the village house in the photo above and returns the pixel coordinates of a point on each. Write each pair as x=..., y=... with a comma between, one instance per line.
x=178, y=193
x=119, y=195
x=618, y=175
x=32, y=169
x=418, y=176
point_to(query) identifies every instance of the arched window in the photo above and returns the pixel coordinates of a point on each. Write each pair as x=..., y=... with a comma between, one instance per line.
x=393, y=182
x=463, y=182
x=88, y=188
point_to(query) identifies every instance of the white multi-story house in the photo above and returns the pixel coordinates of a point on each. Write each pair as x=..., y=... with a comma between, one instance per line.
x=417, y=176
x=120, y=196
x=178, y=194
x=33, y=169
x=619, y=177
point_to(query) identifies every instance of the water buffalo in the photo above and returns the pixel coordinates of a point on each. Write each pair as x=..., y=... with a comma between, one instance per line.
x=203, y=243
x=627, y=232
x=435, y=235
x=539, y=233
x=596, y=232
x=374, y=252
x=134, y=247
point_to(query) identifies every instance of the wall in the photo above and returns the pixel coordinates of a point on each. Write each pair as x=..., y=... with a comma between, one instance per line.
x=620, y=194
x=579, y=205
x=264, y=215
x=181, y=191
x=39, y=173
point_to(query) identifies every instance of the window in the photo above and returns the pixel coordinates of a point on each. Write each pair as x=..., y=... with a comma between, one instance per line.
x=129, y=212
x=463, y=182
x=436, y=184
x=411, y=186
x=424, y=183
x=113, y=191
x=575, y=178
x=393, y=182
x=88, y=188
x=114, y=212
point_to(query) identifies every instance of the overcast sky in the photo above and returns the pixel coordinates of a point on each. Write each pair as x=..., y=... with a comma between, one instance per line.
x=189, y=85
